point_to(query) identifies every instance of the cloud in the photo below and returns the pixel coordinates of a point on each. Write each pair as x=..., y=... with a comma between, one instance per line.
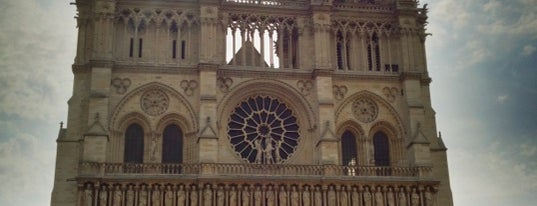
x=502, y=98
x=528, y=50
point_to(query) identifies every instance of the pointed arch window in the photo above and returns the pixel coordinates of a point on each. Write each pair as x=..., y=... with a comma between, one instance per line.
x=382, y=149
x=172, y=145
x=134, y=144
x=348, y=148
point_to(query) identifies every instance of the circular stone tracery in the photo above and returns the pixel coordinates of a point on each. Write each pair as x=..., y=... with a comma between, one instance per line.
x=154, y=102
x=365, y=109
x=263, y=130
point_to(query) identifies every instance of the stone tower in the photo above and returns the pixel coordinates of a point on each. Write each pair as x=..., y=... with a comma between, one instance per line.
x=250, y=102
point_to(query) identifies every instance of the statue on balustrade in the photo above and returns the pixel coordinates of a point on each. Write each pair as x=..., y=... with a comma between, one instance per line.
x=155, y=198
x=402, y=198
x=102, y=196
x=168, y=196
x=367, y=198
x=117, y=197
x=379, y=199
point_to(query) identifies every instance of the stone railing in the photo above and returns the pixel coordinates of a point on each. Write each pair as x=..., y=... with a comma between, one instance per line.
x=250, y=170
x=269, y=3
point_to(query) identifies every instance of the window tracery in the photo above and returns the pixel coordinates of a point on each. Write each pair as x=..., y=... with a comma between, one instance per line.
x=263, y=130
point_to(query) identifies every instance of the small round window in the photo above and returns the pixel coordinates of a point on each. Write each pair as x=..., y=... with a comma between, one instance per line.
x=263, y=130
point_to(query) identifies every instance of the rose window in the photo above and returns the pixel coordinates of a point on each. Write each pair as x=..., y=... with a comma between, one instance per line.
x=365, y=110
x=263, y=130
x=154, y=102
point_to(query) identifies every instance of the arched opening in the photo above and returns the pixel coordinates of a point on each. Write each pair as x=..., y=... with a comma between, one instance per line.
x=382, y=149
x=172, y=145
x=348, y=149
x=134, y=144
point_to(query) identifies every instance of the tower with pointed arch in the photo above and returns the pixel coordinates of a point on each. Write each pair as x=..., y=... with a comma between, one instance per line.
x=251, y=102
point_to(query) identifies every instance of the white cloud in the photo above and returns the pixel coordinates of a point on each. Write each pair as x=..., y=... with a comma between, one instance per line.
x=528, y=50
x=502, y=98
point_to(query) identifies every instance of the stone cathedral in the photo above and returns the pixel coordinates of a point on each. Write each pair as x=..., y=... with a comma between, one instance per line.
x=251, y=103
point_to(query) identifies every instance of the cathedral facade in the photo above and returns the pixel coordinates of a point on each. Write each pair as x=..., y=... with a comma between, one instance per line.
x=251, y=102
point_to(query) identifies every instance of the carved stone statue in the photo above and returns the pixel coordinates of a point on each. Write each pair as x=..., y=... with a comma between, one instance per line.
x=270, y=196
x=331, y=196
x=142, y=200
x=181, y=196
x=193, y=197
x=294, y=197
x=379, y=199
x=355, y=197
x=155, y=198
x=220, y=197
x=233, y=197
x=117, y=197
x=88, y=197
x=207, y=197
x=318, y=197
x=102, y=196
x=283, y=197
x=268, y=150
x=168, y=197
x=402, y=198
x=415, y=198
x=367, y=198
x=306, y=197
x=429, y=198
x=390, y=198
x=344, y=198
x=257, y=197
x=154, y=149
x=245, y=197
x=130, y=198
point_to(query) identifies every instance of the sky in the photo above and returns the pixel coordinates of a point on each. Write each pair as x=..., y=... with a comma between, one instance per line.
x=482, y=57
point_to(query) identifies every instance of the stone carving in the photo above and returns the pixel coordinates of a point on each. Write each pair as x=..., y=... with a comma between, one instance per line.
x=257, y=197
x=390, y=93
x=367, y=198
x=117, y=197
x=306, y=197
x=154, y=148
x=103, y=196
x=294, y=196
x=154, y=102
x=402, y=198
x=415, y=198
x=121, y=85
x=305, y=87
x=379, y=199
x=331, y=196
x=233, y=197
x=355, y=196
x=220, y=198
x=318, y=197
x=155, y=198
x=168, y=197
x=142, y=199
x=389, y=197
x=193, y=197
x=207, y=196
x=130, y=197
x=189, y=86
x=224, y=84
x=283, y=196
x=270, y=196
x=365, y=109
x=245, y=197
x=88, y=197
x=344, y=198
x=339, y=92
x=429, y=198
x=181, y=196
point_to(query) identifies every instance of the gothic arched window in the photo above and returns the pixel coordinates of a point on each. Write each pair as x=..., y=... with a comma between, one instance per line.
x=134, y=144
x=348, y=148
x=382, y=149
x=172, y=144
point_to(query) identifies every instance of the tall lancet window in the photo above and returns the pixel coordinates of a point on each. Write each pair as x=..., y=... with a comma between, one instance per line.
x=348, y=149
x=382, y=149
x=373, y=53
x=134, y=144
x=172, y=145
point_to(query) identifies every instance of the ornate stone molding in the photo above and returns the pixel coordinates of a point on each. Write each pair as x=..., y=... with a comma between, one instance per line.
x=224, y=84
x=189, y=86
x=304, y=86
x=339, y=91
x=121, y=85
x=390, y=93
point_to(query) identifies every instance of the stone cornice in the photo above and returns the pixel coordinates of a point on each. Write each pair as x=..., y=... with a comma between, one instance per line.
x=264, y=72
